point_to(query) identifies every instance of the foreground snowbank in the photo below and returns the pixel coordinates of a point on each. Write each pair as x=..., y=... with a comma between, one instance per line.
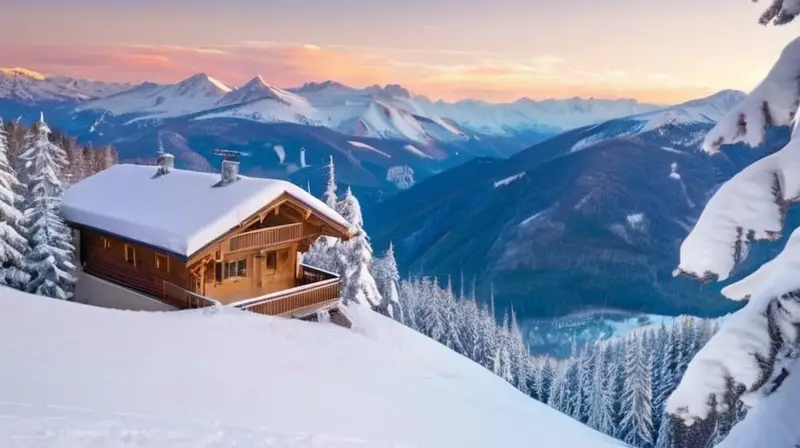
x=74, y=375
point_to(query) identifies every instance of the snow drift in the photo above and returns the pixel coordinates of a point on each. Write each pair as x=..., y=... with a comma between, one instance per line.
x=78, y=375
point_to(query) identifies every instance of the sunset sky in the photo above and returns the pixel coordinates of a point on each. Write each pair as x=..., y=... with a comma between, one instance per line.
x=496, y=50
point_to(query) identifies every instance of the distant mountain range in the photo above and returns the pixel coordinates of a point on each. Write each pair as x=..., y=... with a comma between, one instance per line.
x=383, y=139
x=591, y=219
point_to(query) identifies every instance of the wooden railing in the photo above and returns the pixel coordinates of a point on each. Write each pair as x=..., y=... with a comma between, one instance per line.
x=133, y=278
x=318, y=289
x=178, y=297
x=265, y=237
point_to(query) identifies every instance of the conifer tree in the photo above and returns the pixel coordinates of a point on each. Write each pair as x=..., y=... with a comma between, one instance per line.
x=600, y=403
x=387, y=277
x=358, y=285
x=330, y=187
x=50, y=257
x=13, y=245
x=636, y=427
x=543, y=381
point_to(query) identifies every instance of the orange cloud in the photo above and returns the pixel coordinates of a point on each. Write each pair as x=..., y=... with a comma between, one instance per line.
x=446, y=74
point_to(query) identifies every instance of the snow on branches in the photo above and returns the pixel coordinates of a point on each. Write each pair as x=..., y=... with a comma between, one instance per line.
x=741, y=358
x=50, y=258
x=773, y=102
x=13, y=244
x=780, y=12
x=752, y=205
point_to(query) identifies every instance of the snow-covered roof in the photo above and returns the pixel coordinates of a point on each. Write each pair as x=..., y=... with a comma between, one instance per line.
x=181, y=211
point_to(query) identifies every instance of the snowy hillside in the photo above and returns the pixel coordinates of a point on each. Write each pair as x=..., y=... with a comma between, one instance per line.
x=706, y=110
x=501, y=119
x=82, y=376
x=197, y=93
x=28, y=86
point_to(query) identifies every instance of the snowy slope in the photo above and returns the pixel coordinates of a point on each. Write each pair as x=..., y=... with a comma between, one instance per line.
x=82, y=376
x=196, y=93
x=28, y=86
x=526, y=114
x=386, y=113
x=708, y=110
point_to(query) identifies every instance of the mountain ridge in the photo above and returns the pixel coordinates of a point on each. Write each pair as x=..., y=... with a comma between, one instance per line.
x=554, y=230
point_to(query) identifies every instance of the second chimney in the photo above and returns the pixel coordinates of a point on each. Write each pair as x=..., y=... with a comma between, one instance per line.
x=230, y=171
x=165, y=162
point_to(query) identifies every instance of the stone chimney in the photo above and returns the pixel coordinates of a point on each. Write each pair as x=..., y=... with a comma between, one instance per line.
x=230, y=166
x=165, y=162
x=230, y=171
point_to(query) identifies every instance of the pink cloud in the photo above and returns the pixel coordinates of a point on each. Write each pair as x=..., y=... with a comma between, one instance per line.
x=438, y=75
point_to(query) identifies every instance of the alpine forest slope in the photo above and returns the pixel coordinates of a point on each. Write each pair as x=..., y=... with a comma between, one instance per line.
x=254, y=381
x=591, y=219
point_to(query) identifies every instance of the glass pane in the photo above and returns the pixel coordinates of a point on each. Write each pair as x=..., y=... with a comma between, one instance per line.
x=242, y=268
x=218, y=272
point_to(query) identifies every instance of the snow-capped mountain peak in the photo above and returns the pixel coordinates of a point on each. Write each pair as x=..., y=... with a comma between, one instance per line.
x=28, y=86
x=706, y=110
x=201, y=83
x=257, y=89
x=18, y=71
x=325, y=86
x=389, y=90
x=197, y=93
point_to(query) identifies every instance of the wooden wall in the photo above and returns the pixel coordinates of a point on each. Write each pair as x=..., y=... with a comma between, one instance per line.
x=259, y=281
x=108, y=261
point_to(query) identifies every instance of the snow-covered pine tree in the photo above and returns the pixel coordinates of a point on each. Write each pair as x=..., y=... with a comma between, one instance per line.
x=469, y=328
x=586, y=364
x=520, y=357
x=323, y=253
x=329, y=196
x=489, y=339
x=612, y=387
x=555, y=394
x=355, y=255
x=741, y=357
x=501, y=361
x=636, y=427
x=13, y=245
x=50, y=257
x=451, y=316
x=387, y=277
x=600, y=404
x=663, y=369
x=666, y=431
x=570, y=391
x=544, y=380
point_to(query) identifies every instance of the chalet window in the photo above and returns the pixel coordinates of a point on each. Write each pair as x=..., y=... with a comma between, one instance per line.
x=271, y=261
x=162, y=263
x=231, y=269
x=130, y=254
x=106, y=243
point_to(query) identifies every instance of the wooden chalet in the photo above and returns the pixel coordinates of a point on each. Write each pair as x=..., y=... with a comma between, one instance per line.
x=191, y=239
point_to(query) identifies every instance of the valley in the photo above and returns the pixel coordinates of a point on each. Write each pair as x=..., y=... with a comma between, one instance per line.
x=555, y=220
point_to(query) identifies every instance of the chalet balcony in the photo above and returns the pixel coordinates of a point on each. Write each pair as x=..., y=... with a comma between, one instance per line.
x=315, y=290
x=266, y=237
